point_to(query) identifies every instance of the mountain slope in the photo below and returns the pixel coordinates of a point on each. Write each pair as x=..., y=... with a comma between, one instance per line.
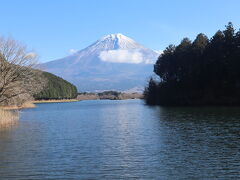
x=113, y=62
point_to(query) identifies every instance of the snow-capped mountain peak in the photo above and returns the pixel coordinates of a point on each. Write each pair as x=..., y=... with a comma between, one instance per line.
x=118, y=48
x=110, y=62
x=116, y=41
x=114, y=36
x=117, y=36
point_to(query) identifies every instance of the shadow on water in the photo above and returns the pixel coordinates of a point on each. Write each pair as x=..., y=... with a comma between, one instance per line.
x=201, y=142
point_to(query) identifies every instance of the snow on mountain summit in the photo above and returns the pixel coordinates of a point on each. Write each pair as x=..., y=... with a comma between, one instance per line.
x=118, y=41
x=115, y=41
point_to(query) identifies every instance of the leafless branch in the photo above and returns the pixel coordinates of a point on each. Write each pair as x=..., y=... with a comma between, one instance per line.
x=18, y=78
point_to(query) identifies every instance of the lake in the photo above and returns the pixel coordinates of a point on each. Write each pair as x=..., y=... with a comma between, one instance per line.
x=104, y=139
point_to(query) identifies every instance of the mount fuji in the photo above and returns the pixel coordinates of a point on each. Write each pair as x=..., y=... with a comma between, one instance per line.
x=114, y=62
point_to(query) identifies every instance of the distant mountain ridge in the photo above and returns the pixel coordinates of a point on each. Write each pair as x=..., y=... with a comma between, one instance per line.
x=114, y=62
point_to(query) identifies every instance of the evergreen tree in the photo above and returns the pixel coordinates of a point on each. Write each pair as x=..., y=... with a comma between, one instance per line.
x=200, y=72
x=57, y=88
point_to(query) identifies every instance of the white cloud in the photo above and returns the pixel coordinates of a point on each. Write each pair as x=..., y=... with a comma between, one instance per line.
x=122, y=56
x=72, y=51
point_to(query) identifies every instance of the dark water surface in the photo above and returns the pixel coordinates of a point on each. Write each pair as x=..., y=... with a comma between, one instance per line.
x=121, y=140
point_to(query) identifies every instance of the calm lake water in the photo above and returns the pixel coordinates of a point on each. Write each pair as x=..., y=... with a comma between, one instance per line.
x=121, y=140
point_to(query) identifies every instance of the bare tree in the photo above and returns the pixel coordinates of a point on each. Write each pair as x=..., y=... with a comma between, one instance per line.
x=18, y=78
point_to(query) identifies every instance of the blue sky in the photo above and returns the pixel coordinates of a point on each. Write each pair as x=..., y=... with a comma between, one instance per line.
x=53, y=27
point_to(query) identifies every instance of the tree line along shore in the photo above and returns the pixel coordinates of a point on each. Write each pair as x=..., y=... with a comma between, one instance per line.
x=110, y=95
x=199, y=73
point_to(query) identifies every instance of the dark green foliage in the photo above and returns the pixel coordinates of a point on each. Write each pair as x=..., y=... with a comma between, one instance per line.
x=57, y=88
x=202, y=72
x=150, y=92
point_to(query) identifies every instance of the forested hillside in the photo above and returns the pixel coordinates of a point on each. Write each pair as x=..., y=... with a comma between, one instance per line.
x=56, y=88
x=202, y=72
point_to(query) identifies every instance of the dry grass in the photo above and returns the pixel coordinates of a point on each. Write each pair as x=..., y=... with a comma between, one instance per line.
x=54, y=101
x=8, y=118
x=28, y=104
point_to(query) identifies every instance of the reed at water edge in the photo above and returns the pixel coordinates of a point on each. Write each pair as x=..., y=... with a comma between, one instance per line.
x=8, y=117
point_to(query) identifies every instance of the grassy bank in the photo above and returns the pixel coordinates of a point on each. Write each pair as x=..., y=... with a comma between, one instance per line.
x=8, y=118
x=54, y=101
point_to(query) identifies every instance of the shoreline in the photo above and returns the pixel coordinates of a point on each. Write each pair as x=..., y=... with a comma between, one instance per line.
x=109, y=95
x=32, y=104
x=24, y=106
x=54, y=101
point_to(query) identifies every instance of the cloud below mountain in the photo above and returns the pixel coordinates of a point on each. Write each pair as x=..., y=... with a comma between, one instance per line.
x=123, y=56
